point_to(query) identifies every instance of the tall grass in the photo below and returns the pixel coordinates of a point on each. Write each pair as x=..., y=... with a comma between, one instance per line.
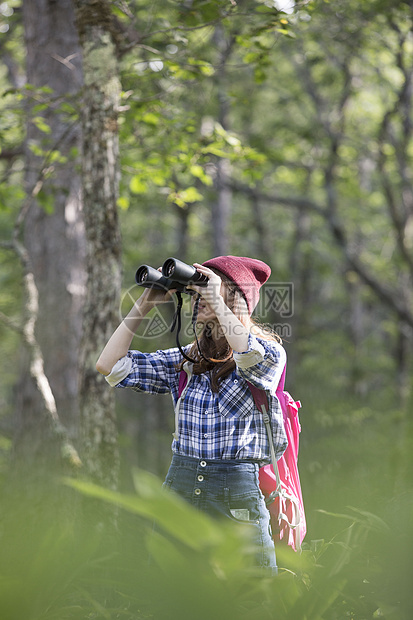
x=159, y=558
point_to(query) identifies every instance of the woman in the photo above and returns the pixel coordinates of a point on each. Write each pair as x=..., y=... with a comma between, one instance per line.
x=220, y=439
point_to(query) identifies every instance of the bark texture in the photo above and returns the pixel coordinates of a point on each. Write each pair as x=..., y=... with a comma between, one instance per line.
x=53, y=237
x=221, y=207
x=100, y=154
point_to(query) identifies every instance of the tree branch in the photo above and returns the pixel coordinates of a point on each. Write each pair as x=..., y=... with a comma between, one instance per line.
x=10, y=323
x=390, y=297
x=11, y=153
x=400, y=213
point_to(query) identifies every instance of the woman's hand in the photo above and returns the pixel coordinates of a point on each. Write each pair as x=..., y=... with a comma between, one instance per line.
x=211, y=293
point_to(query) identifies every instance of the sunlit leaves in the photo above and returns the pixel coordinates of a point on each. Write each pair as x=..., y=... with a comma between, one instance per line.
x=178, y=152
x=204, y=11
x=123, y=202
x=137, y=185
x=41, y=124
x=191, y=70
x=198, y=172
x=188, y=195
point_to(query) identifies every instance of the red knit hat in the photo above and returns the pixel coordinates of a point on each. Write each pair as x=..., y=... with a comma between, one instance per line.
x=249, y=274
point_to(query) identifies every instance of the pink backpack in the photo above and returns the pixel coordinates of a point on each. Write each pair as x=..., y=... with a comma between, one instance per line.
x=280, y=481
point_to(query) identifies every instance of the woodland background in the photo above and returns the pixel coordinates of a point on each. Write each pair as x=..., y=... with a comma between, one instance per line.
x=134, y=131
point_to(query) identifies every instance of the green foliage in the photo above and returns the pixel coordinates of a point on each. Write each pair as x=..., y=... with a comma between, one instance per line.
x=167, y=560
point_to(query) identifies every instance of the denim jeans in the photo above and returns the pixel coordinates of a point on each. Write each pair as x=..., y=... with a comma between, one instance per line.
x=228, y=489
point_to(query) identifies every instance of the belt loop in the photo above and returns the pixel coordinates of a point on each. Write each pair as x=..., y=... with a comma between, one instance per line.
x=226, y=495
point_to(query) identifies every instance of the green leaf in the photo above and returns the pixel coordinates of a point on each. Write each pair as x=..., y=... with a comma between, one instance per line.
x=173, y=514
x=191, y=194
x=56, y=157
x=232, y=140
x=259, y=75
x=214, y=149
x=151, y=119
x=287, y=33
x=41, y=124
x=205, y=68
x=251, y=57
x=123, y=202
x=137, y=185
x=197, y=171
x=183, y=197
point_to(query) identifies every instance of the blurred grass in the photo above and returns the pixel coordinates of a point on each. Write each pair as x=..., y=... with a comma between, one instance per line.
x=164, y=560
x=72, y=550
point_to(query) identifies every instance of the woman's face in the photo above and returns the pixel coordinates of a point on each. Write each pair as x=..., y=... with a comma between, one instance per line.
x=205, y=313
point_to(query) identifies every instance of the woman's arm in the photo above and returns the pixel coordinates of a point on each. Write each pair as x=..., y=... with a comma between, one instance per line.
x=263, y=364
x=234, y=331
x=120, y=341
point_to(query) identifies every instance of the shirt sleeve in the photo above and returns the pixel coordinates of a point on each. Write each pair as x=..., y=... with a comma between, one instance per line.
x=120, y=370
x=262, y=364
x=146, y=372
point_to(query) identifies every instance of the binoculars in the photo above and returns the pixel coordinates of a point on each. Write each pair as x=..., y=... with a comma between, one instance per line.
x=174, y=275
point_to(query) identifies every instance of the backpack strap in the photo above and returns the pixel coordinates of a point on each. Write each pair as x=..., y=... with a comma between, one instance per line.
x=281, y=383
x=261, y=400
x=184, y=377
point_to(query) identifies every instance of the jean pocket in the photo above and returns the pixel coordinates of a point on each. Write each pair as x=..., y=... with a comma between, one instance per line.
x=240, y=514
x=245, y=509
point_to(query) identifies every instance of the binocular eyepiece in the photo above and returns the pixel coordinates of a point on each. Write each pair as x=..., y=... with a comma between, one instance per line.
x=174, y=275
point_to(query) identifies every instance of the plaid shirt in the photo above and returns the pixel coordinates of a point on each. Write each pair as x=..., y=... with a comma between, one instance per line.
x=210, y=425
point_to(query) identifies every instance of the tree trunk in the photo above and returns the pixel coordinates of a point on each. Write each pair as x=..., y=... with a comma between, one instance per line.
x=53, y=228
x=182, y=231
x=221, y=207
x=358, y=385
x=301, y=274
x=265, y=242
x=100, y=193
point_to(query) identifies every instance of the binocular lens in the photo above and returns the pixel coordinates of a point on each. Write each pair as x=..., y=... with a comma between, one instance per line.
x=183, y=273
x=169, y=269
x=175, y=275
x=141, y=275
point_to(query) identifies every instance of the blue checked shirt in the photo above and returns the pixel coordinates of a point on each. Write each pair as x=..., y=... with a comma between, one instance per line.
x=210, y=425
